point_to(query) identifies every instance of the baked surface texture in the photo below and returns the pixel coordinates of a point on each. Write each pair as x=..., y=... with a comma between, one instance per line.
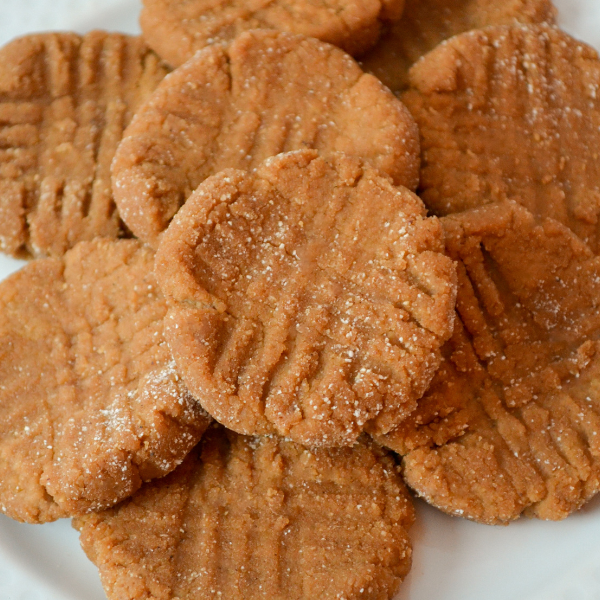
x=510, y=423
x=267, y=93
x=511, y=113
x=246, y=518
x=177, y=29
x=427, y=23
x=90, y=401
x=307, y=298
x=65, y=100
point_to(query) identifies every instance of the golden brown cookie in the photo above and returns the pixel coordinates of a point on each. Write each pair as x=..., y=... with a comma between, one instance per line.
x=90, y=401
x=512, y=113
x=177, y=29
x=307, y=298
x=245, y=518
x=427, y=23
x=511, y=423
x=65, y=100
x=268, y=93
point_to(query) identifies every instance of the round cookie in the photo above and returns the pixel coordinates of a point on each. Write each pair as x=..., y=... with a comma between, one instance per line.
x=245, y=518
x=65, y=100
x=511, y=422
x=307, y=298
x=511, y=113
x=90, y=401
x=427, y=23
x=177, y=29
x=268, y=93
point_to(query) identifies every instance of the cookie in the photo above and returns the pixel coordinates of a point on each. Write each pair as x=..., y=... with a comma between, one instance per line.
x=307, y=298
x=246, y=518
x=511, y=422
x=511, y=113
x=177, y=29
x=427, y=23
x=65, y=100
x=268, y=93
x=90, y=401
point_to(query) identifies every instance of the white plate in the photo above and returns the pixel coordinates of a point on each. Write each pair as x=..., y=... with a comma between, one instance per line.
x=453, y=559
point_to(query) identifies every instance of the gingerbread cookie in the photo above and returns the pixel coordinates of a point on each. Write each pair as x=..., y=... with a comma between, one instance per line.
x=511, y=422
x=307, y=298
x=268, y=93
x=246, y=518
x=65, y=100
x=427, y=23
x=512, y=113
x=90, y=401
x=177, y=29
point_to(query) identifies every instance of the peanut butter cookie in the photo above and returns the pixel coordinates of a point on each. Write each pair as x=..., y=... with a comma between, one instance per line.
x=512, y=113
x=511, y=423
x=177, y=29
x=427, y=23
x=90, y=401
x=245, y=518
x=268, y=93
x=307, y=298
x=65, y=100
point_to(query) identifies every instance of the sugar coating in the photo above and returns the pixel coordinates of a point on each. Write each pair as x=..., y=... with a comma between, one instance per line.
x=307, y=298
x=90, y=401
x=267, y=93
x=427, y=23
x=65, y=100
x=512, y=113
x=511, y=423
x=246, y=518
x=177, y=29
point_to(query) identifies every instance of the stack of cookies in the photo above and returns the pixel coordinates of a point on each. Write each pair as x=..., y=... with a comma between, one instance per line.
x=270, y=291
